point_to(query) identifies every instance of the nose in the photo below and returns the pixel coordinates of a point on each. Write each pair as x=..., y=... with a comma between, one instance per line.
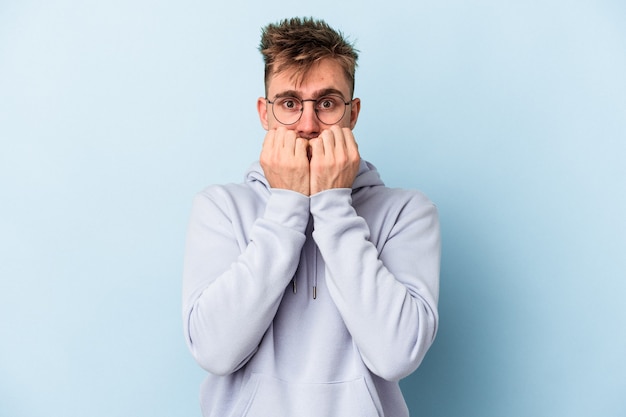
x=308, y=126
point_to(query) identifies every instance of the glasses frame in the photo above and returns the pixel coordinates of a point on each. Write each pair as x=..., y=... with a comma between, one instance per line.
x=314, y=100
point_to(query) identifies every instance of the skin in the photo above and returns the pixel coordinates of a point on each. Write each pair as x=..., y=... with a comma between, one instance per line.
x=309, y=156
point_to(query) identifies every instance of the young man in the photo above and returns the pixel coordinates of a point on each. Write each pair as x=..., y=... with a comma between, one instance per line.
x=311, y=289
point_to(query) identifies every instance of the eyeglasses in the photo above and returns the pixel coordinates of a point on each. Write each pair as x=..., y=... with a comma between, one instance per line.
x=329, y=109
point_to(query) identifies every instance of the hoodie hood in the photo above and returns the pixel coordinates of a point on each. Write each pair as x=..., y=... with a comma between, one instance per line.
x=366, y=177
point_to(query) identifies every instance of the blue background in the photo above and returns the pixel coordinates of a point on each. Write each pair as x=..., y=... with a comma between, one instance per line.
x=510, y=115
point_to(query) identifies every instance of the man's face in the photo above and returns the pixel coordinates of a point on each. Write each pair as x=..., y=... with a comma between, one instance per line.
x=323, y=78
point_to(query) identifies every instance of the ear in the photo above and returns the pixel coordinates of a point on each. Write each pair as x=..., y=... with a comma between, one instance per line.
x=261, y=108
x=355, y=108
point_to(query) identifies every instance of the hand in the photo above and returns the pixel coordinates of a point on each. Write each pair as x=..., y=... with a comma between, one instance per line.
x=335, y=159
x=284, y=160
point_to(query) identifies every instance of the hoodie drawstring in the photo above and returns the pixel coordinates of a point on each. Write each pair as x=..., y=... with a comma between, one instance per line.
x=310, y=265
x=314, y=272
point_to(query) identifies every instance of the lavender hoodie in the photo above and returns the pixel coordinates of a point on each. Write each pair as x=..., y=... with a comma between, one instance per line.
x=309, y=306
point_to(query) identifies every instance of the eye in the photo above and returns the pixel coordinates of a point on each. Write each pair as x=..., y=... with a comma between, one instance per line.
x=289, y=103
x=327, y=103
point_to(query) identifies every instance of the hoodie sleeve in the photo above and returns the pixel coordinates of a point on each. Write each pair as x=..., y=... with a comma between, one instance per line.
x=386, y=292
x=232, y=285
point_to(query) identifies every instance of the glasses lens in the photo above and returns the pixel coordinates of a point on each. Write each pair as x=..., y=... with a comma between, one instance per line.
x=287, y=110
x=330, y=109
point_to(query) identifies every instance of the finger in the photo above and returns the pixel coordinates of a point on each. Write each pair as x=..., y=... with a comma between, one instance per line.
x=317, y=148
x=289, y=138
x=350, y=141
x=339, y=150
x=280, y=137
x=268, y=141
x=267, y=150
x=301, y=147
x=278, y=150
x=329, y=140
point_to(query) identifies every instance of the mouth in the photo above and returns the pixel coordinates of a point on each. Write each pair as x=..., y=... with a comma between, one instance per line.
x=308, y=152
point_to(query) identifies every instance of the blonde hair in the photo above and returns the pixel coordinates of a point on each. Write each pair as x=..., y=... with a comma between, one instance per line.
x=297, y=44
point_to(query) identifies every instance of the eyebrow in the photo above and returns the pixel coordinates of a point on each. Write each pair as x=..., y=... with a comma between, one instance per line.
x=317, y=94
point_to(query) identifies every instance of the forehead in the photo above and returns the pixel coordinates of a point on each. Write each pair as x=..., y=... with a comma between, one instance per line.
x=325, y=75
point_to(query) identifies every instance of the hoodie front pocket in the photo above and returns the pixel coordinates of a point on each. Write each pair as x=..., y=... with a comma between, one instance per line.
x=266, y=396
